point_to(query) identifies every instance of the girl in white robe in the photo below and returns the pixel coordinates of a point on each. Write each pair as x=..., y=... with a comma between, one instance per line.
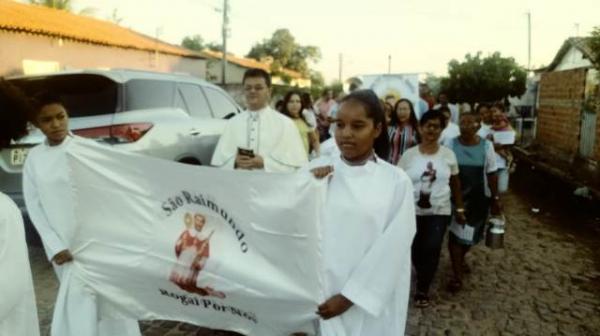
x=18, y=312
x=49, y=202
x=368, y=227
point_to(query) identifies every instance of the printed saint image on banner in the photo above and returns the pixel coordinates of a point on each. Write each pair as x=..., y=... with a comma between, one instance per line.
x=192, y=251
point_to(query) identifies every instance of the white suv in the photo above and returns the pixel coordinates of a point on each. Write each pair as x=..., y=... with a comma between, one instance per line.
x=170, y=116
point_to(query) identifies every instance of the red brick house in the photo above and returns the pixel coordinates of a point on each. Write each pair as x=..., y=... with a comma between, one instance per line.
x=567, y=127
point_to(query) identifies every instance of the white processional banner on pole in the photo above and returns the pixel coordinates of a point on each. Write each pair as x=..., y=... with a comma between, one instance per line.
x=397, y=85
x=223, y=249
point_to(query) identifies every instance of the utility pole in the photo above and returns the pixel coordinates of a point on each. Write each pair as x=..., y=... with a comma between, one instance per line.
x=224, y=33
x=576, y=29
x=389, y=64
x=340, y=66
x=158, y=33
x=529, y=41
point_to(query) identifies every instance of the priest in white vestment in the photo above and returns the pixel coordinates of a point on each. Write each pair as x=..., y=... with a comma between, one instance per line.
x=49, y=201
x=260, y=137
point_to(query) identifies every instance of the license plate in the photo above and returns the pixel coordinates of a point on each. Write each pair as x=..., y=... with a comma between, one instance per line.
x=18, y=156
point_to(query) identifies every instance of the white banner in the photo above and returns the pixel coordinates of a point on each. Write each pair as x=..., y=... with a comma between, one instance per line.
x=223, y=249
x=397, y=85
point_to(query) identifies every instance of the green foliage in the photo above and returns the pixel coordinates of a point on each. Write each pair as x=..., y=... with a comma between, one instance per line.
x=56, y=4
x=434, y=83
x=66, y=5
x=488, y=79
x=214, y=46
x=594, y=43
x=285, y=52
x=336, y=87
x=195, y=42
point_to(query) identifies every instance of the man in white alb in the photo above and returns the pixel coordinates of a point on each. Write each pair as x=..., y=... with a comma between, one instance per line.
x=260, y=137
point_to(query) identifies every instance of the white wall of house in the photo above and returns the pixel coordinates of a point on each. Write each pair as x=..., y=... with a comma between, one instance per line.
x=573, y=59
x=214, y=72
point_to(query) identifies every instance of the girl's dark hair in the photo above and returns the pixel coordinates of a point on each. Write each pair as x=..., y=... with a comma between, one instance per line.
x=433, y=115
x=369, y=100
x=412, y=119
x=44, y=98
x=15, y=111
x=306, y=100
x=480, y=106
x=286, y=100
x=499, y=106
x=279, y=105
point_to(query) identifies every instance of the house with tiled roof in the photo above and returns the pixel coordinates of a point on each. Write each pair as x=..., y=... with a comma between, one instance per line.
x=37, y=39
x=237, y=65
x=568, y=129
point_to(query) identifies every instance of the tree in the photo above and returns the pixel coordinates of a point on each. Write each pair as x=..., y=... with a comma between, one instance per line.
x=214, y=46
x=488, y=79
x=317, y=83
x=56, y=4
x=195, y=42
x=594, y=43
x=66, y=5
x=285, y=53
x=592, y=103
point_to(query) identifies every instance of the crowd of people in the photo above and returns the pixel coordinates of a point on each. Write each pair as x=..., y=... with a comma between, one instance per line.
x=397, y=180
x=459, y=163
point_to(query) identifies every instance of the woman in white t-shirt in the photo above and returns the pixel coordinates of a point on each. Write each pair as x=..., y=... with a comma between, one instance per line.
x=451, y=130
x=503, y=136
x=434, y=172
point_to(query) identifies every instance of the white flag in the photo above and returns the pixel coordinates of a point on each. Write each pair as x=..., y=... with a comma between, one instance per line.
x=233, y=250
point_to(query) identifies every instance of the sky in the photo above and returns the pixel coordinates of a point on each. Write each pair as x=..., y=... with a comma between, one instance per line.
x=419, y=36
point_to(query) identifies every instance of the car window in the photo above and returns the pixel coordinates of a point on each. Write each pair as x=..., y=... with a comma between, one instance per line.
x=195, y=101
x=221, y=104
x=84, y=95
x=147, y=94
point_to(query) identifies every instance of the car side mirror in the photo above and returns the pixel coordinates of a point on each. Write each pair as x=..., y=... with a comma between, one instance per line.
x=229, y=116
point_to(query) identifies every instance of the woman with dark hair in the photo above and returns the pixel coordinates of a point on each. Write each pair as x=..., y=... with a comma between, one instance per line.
x=503, y=136
x=368, y=222
x=388, y=109
x=479, y=188
x=293, y=107
x=308, y=111
x=434, y=172
x=484, y=111
x=18, y=312
x=402, y=131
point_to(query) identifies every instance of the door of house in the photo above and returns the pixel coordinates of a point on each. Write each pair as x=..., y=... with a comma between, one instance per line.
x=588, y=134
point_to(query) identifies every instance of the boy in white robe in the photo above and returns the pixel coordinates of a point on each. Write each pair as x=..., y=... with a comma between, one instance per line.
x=49, y=202
x=18, y=312
x=260, y=137
x=368, y=226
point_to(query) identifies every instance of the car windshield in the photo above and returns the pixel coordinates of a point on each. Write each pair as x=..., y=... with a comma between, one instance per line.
x=83, y=94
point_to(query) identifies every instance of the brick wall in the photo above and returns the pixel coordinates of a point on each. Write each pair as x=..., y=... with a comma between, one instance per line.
x=559, y=114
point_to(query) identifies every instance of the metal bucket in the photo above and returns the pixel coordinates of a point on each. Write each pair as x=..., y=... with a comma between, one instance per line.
x=494, y=238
